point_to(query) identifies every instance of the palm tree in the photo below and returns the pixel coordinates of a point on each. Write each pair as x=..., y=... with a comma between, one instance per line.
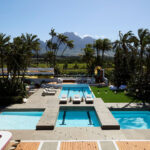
x=142, y=42
x=30, y=44
x=49, y=43
x=88, y=57
x=69, y=44
x=123, y=45
x=4, y=45
x=98, y=45
x=54, y=44
x=106, y=46
x=124, y=41
x=62, y=39
x=102, y=45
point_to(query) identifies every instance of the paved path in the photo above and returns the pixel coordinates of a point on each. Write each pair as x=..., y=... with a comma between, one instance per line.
x=84, y=145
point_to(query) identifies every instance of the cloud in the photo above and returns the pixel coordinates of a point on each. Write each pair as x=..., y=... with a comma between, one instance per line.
x=89, y=35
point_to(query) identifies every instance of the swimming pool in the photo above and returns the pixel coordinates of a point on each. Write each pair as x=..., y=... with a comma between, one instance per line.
x=133, y=119
x=76, y=89
x=19, y=120
x=77, y=117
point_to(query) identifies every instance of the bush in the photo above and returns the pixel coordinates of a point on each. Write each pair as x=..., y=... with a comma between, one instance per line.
x=12, y=91
x=10, y=99
x=109, y=74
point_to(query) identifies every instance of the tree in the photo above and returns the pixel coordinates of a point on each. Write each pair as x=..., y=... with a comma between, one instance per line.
x=17, y=56
x=140, y=85
x=124, y=44
x=49, y=57
x=118, y=76
x=88, y=57
x=97, y=46
x=30, y=44
x=106, y=46
x=102, y=45
x=4, y=45
x=54, y=44
x=68, y=44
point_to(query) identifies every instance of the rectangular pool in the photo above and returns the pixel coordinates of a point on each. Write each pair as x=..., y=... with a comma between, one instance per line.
x=76, y=89
x=19, y=120
x=133, y=119
x=77, y=117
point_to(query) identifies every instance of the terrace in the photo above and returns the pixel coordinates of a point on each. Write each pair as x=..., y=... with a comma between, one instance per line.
x=49, y=135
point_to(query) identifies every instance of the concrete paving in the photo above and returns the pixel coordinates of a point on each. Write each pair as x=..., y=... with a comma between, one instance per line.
x=128, y=106
x=106, y=118
x=49, y=146
x=107, y=145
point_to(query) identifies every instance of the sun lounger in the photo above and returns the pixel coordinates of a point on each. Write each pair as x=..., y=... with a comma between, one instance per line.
x=112, y=87
x=76, y=99
x=48, y=92
x=63, y=99
x=89, y=99
x=122, y=87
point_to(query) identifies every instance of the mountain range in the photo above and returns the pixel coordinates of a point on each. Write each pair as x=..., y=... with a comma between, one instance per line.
x=79, y=44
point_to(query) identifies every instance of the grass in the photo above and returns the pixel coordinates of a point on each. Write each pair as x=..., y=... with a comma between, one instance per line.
x=109, y=96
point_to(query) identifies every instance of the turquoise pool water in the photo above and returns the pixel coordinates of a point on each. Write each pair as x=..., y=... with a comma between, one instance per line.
x=77, y=118
x=76, y=89
x=133, y=119
x=21, y=120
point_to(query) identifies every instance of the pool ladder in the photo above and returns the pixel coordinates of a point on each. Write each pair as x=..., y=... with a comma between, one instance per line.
x=90, y=121
x=64, y=116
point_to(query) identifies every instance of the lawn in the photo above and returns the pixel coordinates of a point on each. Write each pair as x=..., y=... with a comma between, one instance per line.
x=109, y=96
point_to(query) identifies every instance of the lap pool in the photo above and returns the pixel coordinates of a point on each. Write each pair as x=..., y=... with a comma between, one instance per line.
x=133, y=119
x=77, y=117
x=19, y=120
x=76, y=89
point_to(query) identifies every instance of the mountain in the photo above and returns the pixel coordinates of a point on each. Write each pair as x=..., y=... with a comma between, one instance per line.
x=79, y=44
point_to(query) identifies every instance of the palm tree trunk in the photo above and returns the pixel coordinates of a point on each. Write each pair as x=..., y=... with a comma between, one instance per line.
x=97, y=53
x=2, y=63
x=63, y=51
x=141, y=59
x=37, y=58
x=102, y=56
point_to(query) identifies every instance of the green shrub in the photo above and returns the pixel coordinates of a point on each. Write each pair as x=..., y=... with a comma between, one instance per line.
x=12, y=91
x=10, y=99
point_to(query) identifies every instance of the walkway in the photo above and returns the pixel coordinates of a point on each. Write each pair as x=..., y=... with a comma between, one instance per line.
x=84, y=145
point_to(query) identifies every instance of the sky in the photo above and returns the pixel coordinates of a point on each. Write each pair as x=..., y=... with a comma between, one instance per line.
x=96, y=18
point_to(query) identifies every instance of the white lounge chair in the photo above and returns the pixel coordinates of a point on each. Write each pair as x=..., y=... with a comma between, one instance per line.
x=63, y=99
x=76, y=99
x=89, y=99
x=48, y=92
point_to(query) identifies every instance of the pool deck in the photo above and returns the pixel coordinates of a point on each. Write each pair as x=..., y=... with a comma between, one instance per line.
x=48, y=131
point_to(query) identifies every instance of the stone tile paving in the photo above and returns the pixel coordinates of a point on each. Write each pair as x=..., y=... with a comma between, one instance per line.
x=107, y=145
x=49, y=146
